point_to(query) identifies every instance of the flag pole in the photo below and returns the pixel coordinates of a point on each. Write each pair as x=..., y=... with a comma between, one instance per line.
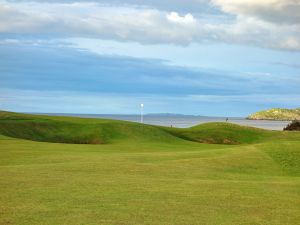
x=142, y=113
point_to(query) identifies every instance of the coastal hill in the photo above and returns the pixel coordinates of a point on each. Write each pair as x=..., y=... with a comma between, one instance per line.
x=276, y=114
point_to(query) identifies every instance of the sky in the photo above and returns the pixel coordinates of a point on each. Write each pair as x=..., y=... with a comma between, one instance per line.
x=196, y=57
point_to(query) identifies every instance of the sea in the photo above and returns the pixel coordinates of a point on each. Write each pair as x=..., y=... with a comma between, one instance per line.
x=184, y=121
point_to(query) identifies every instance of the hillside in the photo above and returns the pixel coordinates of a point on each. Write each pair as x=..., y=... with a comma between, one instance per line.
x=59, y=129
x=116, y=172
x=276, y=114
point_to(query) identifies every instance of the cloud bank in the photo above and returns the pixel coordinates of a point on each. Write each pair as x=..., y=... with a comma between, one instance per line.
x=275, y=11
x=269, y=24
x=60, y=68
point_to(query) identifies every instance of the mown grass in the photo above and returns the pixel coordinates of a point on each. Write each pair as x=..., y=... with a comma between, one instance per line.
x=145, y=174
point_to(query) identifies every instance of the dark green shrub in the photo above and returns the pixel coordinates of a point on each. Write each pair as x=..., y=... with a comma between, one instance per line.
x=295, y=125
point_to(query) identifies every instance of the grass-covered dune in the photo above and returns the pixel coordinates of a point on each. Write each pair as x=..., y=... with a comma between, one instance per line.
x=76, y=130
x=276, y=114
x=74, y=171
x=103, y=131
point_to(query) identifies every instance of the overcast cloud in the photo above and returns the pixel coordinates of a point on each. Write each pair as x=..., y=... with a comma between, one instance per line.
x=278, y=27
x=276, y=11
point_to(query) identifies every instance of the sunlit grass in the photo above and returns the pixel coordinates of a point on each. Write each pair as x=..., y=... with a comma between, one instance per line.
x=147, y=175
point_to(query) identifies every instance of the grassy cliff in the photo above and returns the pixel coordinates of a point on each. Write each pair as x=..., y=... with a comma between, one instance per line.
x=276, y=114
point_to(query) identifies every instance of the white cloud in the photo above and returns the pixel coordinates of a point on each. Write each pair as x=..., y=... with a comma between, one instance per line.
x=291, y=43
x=278, y=11
x=176, y=18
x=146, y=26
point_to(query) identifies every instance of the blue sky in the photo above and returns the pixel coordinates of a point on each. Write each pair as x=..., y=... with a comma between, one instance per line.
x=200, y=57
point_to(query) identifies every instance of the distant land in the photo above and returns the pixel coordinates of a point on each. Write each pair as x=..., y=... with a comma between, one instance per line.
x=276, y=114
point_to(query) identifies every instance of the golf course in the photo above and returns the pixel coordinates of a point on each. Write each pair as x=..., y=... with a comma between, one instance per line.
x=57, y=170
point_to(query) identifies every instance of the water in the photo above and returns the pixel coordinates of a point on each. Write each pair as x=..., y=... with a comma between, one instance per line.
x=183, y=121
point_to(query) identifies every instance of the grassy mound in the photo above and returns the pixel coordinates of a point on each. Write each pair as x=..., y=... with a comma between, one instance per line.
x=276, y=114
x=221, y=133
x=76, y=130
x=102, y=131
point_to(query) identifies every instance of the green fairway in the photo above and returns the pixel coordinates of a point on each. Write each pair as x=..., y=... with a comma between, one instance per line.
x=72, y=171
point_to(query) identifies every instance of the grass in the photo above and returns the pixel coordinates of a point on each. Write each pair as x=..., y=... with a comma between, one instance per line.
x=129, y=173
x=277, y=114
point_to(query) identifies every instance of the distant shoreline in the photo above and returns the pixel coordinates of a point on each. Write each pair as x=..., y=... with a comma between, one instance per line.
x=270, y=119
x=148, y=114
x=174, y=115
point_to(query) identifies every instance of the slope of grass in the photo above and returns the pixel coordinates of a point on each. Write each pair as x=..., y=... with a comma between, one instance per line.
x=222, y=133
x=103, y=131
x=145, y=174
x=277, y=114
x=76, y=130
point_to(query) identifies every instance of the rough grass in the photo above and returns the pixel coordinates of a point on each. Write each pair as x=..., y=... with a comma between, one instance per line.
x=146, y=174
x=277, y=114
x=76, y=130
x=222, y=133
x=103, y=131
